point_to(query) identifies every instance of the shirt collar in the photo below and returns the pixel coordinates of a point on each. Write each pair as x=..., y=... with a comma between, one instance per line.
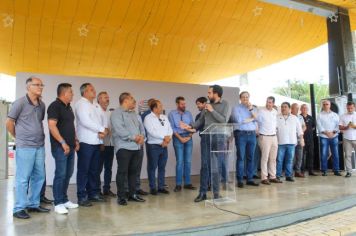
x=30, y=102
x=61, y=102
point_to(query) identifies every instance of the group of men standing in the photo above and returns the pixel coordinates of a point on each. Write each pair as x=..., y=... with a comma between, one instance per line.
x=99, y=134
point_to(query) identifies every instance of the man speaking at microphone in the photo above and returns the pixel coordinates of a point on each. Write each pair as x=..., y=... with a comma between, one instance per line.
x=215, y=112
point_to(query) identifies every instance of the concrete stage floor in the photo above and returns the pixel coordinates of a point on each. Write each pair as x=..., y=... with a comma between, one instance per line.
x=176, y=214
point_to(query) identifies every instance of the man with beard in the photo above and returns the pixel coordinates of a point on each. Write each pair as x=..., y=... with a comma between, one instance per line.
x=182, y=143
x=214, y=112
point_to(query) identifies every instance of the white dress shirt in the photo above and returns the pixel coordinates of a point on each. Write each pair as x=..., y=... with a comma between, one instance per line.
x=288, y=128
x=267, y=121
x=345, y=119
x=327, y=121
x=89, y=122
x=105, y=121
x=157, y=128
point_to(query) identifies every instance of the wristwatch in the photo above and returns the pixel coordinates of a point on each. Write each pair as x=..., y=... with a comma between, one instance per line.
x=62, y=142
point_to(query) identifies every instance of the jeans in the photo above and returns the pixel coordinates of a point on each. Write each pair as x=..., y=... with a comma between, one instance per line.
x=206, y=168
x=285, y=157
x=88, y=171
x=183, y=153
x=62, y=174
x=127, y=165
x=106, y=160
x=157, y=158
x=245, y=148
x=30, y=172
x=298, y=159
x=325, y=144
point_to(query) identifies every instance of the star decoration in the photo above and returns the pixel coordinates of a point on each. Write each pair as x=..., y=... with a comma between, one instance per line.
x=301, y=22
x=202, y=47
x=257, y=11
x=333, y=17
x=8, y=21
x=153, y=40
x=259, y=54
x=83, y=31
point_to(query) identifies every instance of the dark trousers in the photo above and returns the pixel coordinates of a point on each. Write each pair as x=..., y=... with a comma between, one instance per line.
x=138, y=174
x=211, y=165
x=62, y=175
x=106, y=160
x=127, y=166
x=157, y=158
x=88, y=171
x=309, y=155
x=139, y=167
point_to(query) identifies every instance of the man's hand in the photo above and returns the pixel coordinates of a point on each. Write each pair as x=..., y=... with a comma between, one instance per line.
x=184, y=126
x=301, y=142
x=167, y=139
x=66, y=149
x=164, y=144
x=77, y=145
x=249, y=106
x=185, y=139
x=209, y=107
x=101, y=135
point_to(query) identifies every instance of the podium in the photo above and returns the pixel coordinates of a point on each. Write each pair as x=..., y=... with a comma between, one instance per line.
x=222, y=157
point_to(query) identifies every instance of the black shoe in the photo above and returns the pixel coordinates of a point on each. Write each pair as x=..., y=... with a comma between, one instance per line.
x=209, y=188
x=46, y=200
x=38, y=209
x=217, y=196
x=178, y=188
x=136, y=198
x=324, y=173
x=141, y=192
x=290, y=179
x=312, y=174
x=109, y=193
x=256, y=177
x=153, y=191
x=97, y=199
x=348, y=175
x=85, y=203
x=252, y=183
x=122, y=201
x=165, y=191
x=337, y=173
x=190, y=187
x=240, y=185
x=200, y=197
x=21, y=214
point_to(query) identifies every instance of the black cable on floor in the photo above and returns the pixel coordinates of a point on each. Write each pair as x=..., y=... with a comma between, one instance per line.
x=235, y=213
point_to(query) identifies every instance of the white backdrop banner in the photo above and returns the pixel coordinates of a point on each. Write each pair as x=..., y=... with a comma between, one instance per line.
x=141, y=90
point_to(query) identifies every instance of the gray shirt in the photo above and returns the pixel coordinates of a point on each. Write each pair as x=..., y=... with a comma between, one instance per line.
x=219, y=115
x=28, y=122
x=125, y=126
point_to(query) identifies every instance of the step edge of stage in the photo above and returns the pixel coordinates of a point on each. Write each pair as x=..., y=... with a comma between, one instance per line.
x=265, y=222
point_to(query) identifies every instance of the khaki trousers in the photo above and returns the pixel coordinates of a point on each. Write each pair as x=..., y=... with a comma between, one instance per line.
x=269, y=148
x=349, y=147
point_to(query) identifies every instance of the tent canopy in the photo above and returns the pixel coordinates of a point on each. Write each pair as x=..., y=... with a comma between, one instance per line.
x=190, y=41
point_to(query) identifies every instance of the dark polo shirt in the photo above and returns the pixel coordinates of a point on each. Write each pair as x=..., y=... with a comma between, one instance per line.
x=64, y=116
x=28, y=119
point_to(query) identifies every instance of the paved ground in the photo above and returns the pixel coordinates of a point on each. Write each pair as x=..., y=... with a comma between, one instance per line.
x=341, y=223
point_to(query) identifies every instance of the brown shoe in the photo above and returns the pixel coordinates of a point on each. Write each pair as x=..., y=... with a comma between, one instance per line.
x=276, y=181
x=266, y=182
x=300, y=175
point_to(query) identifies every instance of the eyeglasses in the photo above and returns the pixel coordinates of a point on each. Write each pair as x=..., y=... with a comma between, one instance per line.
x=38, y=85
x=161, y=121
x=326, y=104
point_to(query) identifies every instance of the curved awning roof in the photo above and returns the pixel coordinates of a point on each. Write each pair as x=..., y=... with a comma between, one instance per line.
x=189, y=41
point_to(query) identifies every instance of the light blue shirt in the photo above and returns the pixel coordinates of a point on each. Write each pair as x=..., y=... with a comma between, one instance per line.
x=327, y=121
x=241, y=117
x=175, y=117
